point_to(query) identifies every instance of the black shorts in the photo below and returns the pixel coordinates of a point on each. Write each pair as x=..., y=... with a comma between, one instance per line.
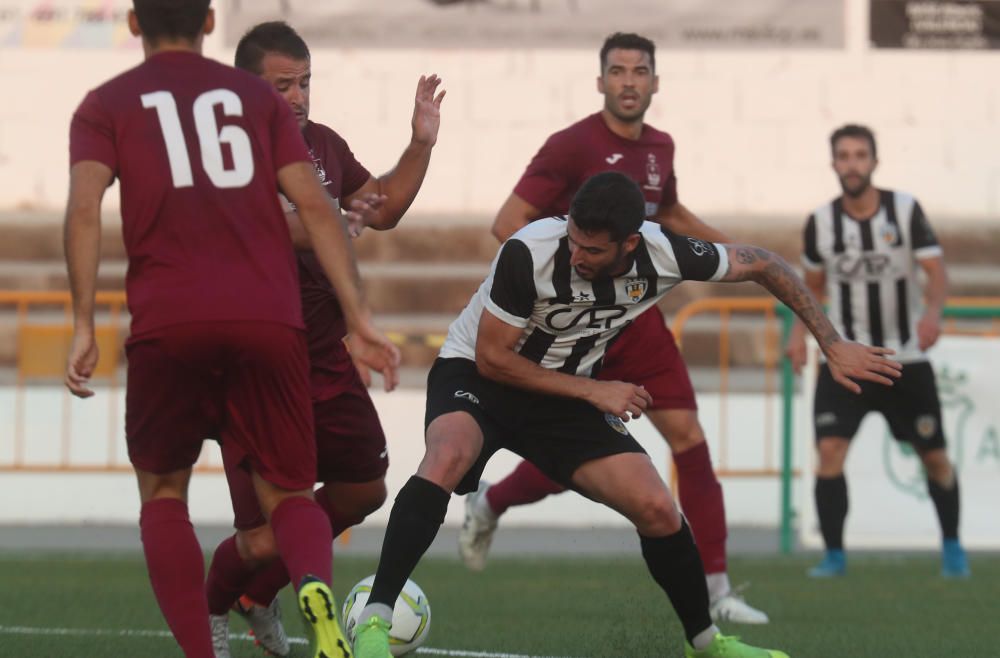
x=911, y=407
x=555, y=434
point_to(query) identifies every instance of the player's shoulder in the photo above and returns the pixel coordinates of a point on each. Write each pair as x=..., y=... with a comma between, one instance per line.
x=654, y=136
x=542, y=230
x=317, y=133
x=658, y=238
x=823, y=212
x=542, y=236
x=572, y=134
x=900, y=197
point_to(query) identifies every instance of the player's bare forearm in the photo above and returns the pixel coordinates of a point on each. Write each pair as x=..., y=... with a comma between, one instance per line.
x=504, y=365
x=82, y=238
x=497, y=360
x=936, y=288
x=749, y=263
x=400, y=186
x=514, y=214
x=678, y=219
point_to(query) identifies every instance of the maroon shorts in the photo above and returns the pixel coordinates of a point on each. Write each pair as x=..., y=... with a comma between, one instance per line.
x=646, y=353
x=248, y=381
x=350, y=447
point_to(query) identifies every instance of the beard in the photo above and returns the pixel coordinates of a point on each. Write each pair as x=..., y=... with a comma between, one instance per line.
x=854, y=185
x=609, y=271
x=628, y=116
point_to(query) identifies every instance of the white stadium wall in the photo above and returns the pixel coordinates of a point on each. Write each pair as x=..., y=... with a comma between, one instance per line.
x=751, y=126
x=111, y=498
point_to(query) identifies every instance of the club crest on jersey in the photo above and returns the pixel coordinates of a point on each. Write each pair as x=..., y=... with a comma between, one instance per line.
x=653, y=176
x=635, y=288
x=320, y=170
x=890, y=234
x=616, y=424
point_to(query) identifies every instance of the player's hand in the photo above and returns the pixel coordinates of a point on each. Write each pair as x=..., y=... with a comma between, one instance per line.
x=849, y=361
x=363, y=212
x=622, y=399
x=795, y=349
x=83, y=355
x=364, y=372
x=373, y=349
x=427, y=110
x=928, y=330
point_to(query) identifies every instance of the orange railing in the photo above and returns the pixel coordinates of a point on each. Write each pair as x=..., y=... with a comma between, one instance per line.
x=42, y=324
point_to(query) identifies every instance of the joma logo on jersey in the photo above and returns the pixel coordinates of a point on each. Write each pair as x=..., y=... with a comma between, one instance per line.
x=595, y=317
x=866, y=265
x=635, y=288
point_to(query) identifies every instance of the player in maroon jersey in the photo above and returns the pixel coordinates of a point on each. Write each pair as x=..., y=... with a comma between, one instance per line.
x=617, y=139
x=352, y=454
x=201, y=151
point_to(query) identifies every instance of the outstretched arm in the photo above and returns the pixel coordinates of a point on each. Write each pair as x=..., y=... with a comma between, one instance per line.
x=796, y=347
x=847, y=360
x=381, y=202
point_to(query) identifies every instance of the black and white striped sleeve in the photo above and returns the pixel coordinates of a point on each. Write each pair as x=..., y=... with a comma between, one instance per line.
x=512, y=288
x=697, y=260
x=811, y=258
x=922, y=239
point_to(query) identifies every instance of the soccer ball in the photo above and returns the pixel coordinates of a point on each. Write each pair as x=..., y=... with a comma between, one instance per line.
x=411, y=616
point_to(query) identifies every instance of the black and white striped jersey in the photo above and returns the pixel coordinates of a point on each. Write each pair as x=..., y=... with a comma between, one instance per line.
x=568, y=321
x=871, y=270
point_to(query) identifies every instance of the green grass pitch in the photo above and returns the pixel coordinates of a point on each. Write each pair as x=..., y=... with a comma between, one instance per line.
x=887, y=606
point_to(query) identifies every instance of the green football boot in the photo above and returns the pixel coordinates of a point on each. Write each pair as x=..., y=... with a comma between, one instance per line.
x=371, y=639
x=729, y=646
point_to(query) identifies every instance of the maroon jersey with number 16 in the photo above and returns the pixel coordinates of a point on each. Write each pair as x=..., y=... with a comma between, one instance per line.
x=204, y=231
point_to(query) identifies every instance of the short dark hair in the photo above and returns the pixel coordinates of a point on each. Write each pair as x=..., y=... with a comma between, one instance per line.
x=628, y=41
x=170, y=19
x=853, y=130
x=271, y=37
x=609, y=201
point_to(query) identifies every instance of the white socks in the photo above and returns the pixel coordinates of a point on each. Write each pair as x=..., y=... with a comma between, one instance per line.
x=718, y=585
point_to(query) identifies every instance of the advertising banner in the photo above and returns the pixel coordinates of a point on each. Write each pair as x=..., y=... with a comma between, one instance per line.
x=936, y=24
x=695, y=24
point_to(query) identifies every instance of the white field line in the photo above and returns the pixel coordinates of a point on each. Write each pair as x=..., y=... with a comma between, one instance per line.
x=105, y=632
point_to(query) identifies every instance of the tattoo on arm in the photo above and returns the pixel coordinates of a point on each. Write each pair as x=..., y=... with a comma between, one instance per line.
x=750, y=255
x=773, y=273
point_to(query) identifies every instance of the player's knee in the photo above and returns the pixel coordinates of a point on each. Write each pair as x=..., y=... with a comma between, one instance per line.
x=688, y=437
x=832, y=454
x=656, y=516
x=937, y=465
x=681, y=430
x=448, y=458
x=257, y=545
x=372, y=499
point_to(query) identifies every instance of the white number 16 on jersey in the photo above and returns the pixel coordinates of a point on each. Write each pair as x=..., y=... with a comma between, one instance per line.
x=210, y=138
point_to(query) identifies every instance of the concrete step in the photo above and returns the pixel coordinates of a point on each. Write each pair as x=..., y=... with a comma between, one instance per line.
x=430, y=238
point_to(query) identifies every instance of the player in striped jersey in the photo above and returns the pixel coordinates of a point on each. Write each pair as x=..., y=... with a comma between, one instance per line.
x=517, y=372
x=864, y=252
x=617, y=138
